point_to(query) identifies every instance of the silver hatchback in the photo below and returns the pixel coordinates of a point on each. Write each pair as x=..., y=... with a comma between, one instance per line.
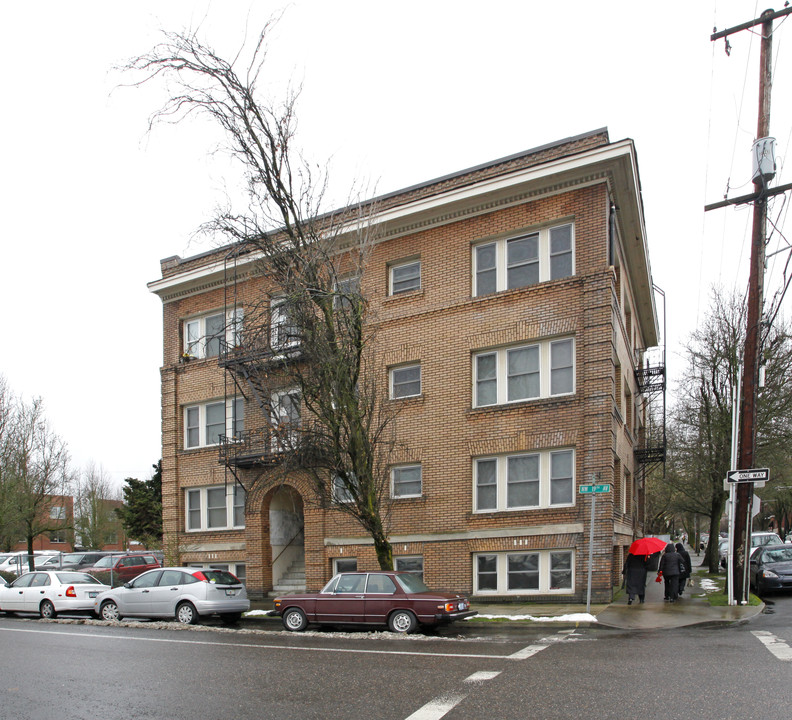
x=183, y=593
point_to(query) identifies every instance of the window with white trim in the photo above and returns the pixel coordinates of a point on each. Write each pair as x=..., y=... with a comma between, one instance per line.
x=217, y=507
x=206, y=422
x=524, y=573
x=410, y=563
x=203, y=335
x=405, y=277
x=344, y=565
x=405, y=381
x=340, y=490
x=524, y=481
x=406, y=481
x=524, y=372
x=527, y=259
x=285, y=409
x=284, y=332
x=57, y=512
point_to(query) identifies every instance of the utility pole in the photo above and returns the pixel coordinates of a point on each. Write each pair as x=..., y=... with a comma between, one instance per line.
x=750, y=377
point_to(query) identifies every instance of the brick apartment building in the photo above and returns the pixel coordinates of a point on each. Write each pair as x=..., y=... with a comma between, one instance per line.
x=514, y=303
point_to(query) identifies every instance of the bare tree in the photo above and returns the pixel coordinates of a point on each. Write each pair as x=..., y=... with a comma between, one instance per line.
x=38, y=467
x=308, y=348
x=95, y=521
x=700, y=429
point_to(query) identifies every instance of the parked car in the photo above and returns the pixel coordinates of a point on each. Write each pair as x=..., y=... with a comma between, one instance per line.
x=723, y=551
x=79, y=560
x=399, y=600
x=184, y=593
x=126, y=566
x=17, y=563
x=771, y=568
x=760, y=539
x=48, y=593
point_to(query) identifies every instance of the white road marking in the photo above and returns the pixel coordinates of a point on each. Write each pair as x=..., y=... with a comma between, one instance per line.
x=774, y=644
x=527, y=652
x=438, y=707
x=269, y=647
x=481, y=676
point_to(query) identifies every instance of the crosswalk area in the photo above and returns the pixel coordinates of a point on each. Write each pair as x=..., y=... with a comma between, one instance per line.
x=774, y=644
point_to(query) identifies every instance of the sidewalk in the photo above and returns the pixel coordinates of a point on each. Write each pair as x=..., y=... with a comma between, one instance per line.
x=653, y=614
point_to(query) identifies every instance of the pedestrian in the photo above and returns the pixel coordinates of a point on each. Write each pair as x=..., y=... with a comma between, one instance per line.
x=688, y=571
x=634, y=571
x=670, y=568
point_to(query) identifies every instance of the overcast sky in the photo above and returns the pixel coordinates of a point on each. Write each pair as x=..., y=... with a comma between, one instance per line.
x=393, y=94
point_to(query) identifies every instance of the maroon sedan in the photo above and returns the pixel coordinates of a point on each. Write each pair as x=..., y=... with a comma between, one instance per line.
x=399, y=600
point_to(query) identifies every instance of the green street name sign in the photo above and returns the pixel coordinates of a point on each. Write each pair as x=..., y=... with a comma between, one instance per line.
x=588, y=489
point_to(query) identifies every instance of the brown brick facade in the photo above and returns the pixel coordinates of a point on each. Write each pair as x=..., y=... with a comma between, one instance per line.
x=603, y=307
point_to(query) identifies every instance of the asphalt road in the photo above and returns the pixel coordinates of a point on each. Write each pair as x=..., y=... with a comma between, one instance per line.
x=80, y=671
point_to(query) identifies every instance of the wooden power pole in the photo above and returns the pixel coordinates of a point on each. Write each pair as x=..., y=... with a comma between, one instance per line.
x=751, y=352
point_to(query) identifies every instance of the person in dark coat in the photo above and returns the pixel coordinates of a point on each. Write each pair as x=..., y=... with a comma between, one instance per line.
x=683, y=577
x=634, y=571
x=671, y=565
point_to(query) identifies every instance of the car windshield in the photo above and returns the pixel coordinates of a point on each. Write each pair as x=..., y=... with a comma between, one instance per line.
x=220, y=577
x=782, y=554
x=760, y=540
x=72, y=558
x=411, y=583
x=105, y=562
x=73, y=577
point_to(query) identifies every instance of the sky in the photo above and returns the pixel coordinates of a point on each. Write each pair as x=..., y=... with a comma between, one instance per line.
x=393, y=94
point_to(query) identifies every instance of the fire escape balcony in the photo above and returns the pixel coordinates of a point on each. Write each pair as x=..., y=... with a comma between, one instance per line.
x=249, y=449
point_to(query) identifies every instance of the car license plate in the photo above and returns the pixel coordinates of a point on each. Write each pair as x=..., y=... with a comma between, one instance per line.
x=230, y=592
x=93, y=594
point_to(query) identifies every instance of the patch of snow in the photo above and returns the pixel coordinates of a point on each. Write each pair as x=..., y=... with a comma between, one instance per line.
x=573, y=617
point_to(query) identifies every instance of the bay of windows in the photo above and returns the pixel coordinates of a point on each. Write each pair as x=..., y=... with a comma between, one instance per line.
x=524, y=573
x=206, y=422
x=524, y=481
x=203, y=335
x=524, y=372
x=219, y=507
x=527, y=259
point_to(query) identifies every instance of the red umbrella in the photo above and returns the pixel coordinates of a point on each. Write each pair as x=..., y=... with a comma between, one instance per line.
x=647, y=546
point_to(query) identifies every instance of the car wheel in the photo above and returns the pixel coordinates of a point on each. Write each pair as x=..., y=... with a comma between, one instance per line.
x=402, y=621
x=230, y=618
x=186, y=614
x=109, y=611
x=294, y=620
x=47, y=610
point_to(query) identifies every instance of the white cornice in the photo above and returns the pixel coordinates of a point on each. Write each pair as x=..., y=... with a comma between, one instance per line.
x=509, y=532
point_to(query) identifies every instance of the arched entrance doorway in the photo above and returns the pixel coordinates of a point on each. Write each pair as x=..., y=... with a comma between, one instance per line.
x=287, y=540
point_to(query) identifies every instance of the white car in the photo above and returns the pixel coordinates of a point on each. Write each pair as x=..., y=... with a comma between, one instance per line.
x=183, y=593
x=48, y=593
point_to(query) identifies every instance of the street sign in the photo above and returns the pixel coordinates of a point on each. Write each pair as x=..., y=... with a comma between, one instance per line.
x=589, y=489
x=757, y=475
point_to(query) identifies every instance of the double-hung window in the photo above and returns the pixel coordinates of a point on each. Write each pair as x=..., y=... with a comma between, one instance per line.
x=524, y=481
x=405, y=277
x=284, y=332
x=203, y=336
x=206, y=422
x=524, y=372
x=218, y=507
x=527, y=259
x=285, y=418
x=406, y=481
x=524, y=573
x=405, y=381
x=341, y=491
